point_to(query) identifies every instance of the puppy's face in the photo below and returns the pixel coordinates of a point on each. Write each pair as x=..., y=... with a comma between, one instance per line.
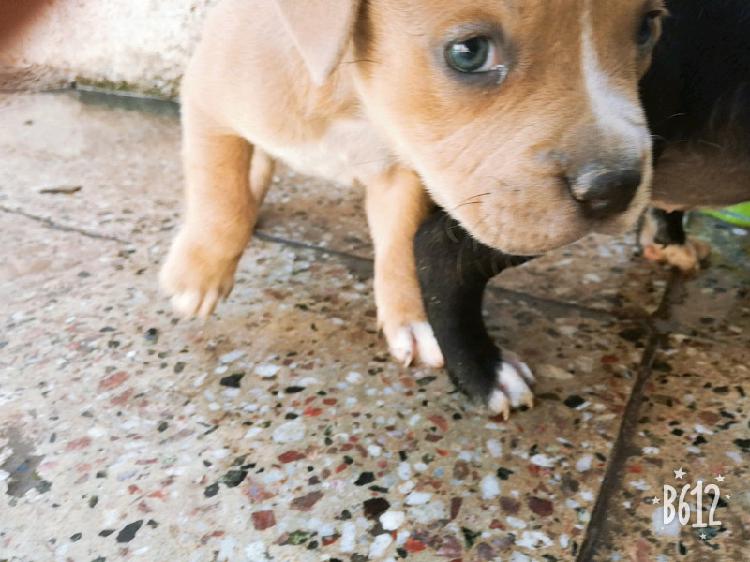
x=522, y=117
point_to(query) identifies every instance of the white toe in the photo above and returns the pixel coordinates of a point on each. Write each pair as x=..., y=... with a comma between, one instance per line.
x=186, y=304
x=209, y=303
x=427, y=346
x=499, y=404
x=402, y=346
x=523, y=368
x=514, y=385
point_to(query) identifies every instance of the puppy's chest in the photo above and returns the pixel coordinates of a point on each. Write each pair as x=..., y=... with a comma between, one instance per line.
x=348, y=150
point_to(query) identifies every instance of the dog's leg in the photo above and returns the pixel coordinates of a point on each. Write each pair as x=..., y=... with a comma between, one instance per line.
x=220, y=212
x=662, y=238
x=396, y=206
x=262, y=167
x=453, y=271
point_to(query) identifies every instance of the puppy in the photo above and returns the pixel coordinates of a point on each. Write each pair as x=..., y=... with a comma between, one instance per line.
x=697, y=98
x=521, y=118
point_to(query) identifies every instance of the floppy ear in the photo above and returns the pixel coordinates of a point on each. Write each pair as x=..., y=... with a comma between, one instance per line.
x=321, y=30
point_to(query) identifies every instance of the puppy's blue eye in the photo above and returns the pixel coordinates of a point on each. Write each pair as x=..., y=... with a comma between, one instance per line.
x=649, y=29
x=471, y=55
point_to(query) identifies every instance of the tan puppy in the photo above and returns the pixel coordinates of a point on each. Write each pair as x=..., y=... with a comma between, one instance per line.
x=520, y=118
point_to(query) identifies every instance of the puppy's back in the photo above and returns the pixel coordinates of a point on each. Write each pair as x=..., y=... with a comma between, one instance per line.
x=247, y=74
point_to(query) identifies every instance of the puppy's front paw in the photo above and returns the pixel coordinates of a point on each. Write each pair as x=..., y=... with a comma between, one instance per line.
x=413, y=342
x=512, y=389
x=196, y=278
x=686, y=257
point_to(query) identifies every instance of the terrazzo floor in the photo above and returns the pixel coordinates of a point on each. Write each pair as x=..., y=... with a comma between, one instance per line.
x=281, y=431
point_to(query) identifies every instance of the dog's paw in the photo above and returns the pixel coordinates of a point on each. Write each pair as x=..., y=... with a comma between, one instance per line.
x=686, y=257
x=196, y=279
x=414, y=342
x=513, y=386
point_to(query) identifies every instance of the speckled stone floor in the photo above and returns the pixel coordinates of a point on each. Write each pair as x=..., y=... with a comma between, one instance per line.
x=280, y=431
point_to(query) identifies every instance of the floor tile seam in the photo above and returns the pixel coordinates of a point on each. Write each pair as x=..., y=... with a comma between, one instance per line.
x=598, y=529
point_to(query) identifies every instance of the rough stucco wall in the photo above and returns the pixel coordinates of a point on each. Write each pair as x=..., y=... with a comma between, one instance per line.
x=141, y=45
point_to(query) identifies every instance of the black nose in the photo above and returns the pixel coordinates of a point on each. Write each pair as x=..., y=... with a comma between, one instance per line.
x=604, y=192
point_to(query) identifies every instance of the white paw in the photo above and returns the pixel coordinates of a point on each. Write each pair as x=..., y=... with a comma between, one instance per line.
x=513, y=386
x=415, y=342
x=195, y=280
x=198, y=303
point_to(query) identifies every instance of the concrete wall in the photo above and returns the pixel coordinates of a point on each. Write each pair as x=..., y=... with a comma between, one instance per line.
x=141, y=45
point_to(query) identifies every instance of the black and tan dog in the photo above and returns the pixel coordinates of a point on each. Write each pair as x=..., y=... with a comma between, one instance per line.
x=522, y=118
x=697, y=98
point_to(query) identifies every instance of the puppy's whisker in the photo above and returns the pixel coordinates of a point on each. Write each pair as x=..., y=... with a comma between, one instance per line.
x=470, y=200
x=478, y=195
x=466, y=204
x=705, y=142
x=674, y=115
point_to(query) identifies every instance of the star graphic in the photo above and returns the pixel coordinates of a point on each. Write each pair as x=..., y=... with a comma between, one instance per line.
x=679, y=473
x=720, y=478
x=703, y=536
x=655, y=501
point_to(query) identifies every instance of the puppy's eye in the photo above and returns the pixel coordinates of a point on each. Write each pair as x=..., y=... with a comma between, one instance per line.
x=477, y=54
x=649, y=30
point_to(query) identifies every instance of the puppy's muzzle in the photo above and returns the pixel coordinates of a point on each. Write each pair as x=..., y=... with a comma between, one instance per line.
x=605, y=191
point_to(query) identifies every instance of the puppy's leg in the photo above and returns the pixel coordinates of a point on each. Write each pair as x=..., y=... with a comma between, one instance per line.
x=220, y=212
x=453, y=271
x=662, y=238
x=396, y=205
x=262, y=167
